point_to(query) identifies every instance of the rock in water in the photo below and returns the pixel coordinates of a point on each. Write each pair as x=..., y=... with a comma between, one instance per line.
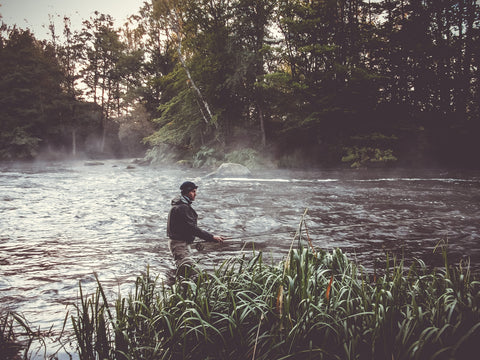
x=231, y=170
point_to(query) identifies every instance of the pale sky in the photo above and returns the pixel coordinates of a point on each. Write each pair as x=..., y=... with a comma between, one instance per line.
x=33, y=14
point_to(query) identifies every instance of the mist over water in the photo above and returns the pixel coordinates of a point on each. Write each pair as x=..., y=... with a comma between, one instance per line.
x=62, y=222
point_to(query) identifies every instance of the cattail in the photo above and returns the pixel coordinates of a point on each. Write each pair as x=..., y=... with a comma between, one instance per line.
x=280, y=300
x=329, y=287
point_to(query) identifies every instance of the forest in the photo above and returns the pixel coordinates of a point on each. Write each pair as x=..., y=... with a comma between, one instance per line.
x=322, y=83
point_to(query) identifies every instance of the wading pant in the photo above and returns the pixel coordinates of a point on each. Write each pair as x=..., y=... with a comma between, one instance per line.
x=182, y=254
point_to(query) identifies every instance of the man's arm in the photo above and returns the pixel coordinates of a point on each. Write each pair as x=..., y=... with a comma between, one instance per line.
x=191, y=224
x=190, y=220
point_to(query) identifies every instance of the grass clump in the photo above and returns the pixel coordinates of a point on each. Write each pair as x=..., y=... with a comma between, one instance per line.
x=10, y=346
x=18, y=340
x=313, y=305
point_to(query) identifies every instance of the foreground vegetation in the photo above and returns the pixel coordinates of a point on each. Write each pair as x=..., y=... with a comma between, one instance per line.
x=312, y=305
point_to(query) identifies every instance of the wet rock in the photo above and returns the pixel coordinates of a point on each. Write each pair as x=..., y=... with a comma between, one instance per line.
x=93, y=163
x=231, y=170
x=141, y=162
x=184, y=163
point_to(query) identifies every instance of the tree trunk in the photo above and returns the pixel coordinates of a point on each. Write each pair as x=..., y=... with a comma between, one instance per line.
x=262, y=125
x=74, y=142
x=194, y=86
x=192, y=82
x=104, y=135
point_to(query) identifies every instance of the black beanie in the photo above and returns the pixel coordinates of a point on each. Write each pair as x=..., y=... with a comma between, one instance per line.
x=187, y=186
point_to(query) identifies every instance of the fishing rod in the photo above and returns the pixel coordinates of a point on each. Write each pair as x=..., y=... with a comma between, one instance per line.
x=283, y=231
x=236, y=237
x=299, y=230
x=325, y=228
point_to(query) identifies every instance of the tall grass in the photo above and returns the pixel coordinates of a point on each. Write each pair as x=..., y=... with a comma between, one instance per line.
x=18, y=340
x=10, y=346
x=313, y=305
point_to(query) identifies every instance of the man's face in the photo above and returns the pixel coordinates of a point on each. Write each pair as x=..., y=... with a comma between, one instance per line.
x=192, y=194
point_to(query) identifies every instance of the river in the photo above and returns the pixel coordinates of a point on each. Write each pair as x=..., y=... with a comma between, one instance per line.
x=62, y=222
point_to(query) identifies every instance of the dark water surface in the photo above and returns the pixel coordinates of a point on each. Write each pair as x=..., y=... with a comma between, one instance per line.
x=62, y=222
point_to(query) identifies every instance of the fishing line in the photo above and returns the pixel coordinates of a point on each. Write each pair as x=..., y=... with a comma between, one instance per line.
x=236, y=237
x=325, y=228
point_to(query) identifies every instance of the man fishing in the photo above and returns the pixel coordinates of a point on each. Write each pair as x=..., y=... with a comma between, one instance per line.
x=182, y=228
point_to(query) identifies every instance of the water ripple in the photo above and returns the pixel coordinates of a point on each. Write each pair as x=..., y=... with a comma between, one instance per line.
x=64, y=222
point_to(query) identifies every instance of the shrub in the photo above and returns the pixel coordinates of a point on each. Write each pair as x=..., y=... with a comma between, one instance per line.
x=360, y=156
x=205, y=157
x=247, y=157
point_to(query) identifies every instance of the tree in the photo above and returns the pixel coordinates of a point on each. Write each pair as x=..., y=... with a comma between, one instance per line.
x=327, y=79
x=31, y=96
x=332, y=86
x=151, y=56
x=101, y=72
x=69, y=55
x=221, y=47
x=428, y=63
x=171, y=13
x=198, y=31
x=251, y=38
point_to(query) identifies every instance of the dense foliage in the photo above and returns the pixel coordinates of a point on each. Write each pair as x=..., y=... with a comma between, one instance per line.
x=38, y=112
x=322, y=81
x=314, y=305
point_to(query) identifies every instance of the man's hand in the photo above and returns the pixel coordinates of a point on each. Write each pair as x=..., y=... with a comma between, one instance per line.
x=219, y=239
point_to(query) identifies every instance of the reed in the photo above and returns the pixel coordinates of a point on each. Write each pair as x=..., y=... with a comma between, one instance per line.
x=314, y=305
x=9, y=344
x=18, y=340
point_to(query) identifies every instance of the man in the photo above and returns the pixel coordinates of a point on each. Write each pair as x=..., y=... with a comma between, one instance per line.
x=182, y=228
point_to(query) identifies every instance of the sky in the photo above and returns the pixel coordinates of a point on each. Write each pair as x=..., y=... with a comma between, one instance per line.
x=34, y=14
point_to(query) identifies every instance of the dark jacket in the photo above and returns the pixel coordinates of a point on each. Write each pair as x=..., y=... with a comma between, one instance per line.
x=182, y=222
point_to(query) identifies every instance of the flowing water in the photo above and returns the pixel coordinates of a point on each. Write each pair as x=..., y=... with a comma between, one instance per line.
x=63, y=222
